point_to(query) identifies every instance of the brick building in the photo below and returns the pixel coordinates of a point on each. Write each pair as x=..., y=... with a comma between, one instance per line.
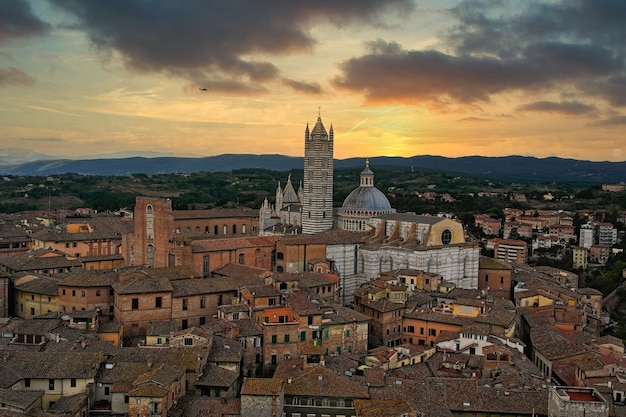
x=494, y=277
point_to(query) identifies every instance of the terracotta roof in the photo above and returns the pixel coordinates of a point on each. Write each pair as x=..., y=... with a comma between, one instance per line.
x=262, y=386
x=143, y=284
x=39, y=259
x=214, y=375
x=37, y=365
x=238, y=270
x=22, y=399
x=40, y=285
x=319, y=381
x=215, y=213
x=225, y=351
x=233, y=243
x=89, y=278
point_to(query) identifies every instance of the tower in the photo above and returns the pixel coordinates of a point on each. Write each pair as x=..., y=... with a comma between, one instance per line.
x=317, y=204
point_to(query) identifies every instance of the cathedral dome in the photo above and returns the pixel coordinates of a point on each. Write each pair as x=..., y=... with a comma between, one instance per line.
x=366, y=199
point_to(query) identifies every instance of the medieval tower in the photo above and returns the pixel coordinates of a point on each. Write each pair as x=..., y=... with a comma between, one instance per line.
x=317, y=204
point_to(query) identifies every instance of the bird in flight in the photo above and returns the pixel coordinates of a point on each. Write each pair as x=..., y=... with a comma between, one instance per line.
x=202, y=89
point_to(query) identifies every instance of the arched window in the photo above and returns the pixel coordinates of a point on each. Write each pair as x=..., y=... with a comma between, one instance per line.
x=446, y=237
x=150, y=221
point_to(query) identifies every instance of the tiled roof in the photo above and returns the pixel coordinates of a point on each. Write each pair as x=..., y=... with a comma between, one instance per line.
x=214, y=375
x=40, y=285
x=148, y=390
x=233, y=243
x=225, y=351
x=249, y=327
x=143, y=285
x=36, y=365
x=329, y=237
x=215, y=213
x=34, y=260
x=319, y=381
x=238, y=270
x=183, y=356
x=31, y=327
x=98, y=229
x=382, y=408
x=485, y=262
x=338, y=314
x=89, y=278
x=301, y=304
x=262, y=386
x=189, y=406
x=160, y=328
x=22, y=399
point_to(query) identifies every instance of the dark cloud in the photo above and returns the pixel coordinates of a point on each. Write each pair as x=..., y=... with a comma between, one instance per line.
x=303, y=87
x=566, y=107
x=498, y=46
x=613, y=121
x=210, y=41
x=15, y=76
x=17, y=20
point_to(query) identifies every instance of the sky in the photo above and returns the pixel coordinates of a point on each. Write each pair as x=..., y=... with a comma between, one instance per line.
x=393, y=78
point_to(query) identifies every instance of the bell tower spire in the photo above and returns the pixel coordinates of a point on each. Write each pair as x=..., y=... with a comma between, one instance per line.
x=317, y=204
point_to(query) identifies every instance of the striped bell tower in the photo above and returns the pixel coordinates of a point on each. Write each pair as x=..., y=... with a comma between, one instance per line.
x=317, y=204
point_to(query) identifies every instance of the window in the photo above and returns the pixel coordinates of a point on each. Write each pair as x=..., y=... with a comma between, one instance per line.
x=51, y=384
x=184, y=324
x=310, y=320
x=432, y=332
x=446, y=237
x=241, y=259
x=486, y=278
x=235, y=316
x=202, y=302
x=274, y=339
x=107, y=390
x=202, y=320
x=158, y=302
x=149, y=222
x=271, y=301
x=73, y=293
x=185, y=305
x=32, y=311
x=82, y=293
x=97, y=293
x=63, y=291
x=303, y=336
x=27, y=382
x=286, y=338
x=135, y=303
x=347, y=333
x=189, y=341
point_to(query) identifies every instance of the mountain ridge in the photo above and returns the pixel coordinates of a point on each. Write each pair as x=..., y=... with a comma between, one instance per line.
x=514, y=166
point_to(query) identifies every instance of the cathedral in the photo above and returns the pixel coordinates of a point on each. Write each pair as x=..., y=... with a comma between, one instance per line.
x=310, y=209
x=390, y=240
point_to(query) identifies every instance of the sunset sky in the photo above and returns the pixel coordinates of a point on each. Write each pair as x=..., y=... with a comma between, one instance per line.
x=393, y=77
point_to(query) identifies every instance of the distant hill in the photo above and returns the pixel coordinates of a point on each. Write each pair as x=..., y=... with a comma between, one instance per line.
x=520, y=167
